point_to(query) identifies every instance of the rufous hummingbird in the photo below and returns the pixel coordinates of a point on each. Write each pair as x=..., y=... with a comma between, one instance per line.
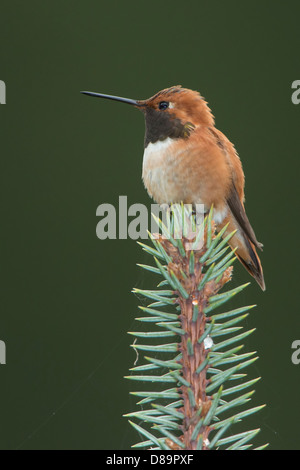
x=186, y=159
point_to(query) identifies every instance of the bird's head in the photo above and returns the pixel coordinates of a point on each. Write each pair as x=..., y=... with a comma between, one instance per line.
x=173, y=112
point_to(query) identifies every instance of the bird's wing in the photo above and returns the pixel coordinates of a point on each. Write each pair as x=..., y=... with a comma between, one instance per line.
x=238, y=211
x=236, y=191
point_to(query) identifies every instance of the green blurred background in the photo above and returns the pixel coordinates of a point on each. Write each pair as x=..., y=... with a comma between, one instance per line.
x=66, y=303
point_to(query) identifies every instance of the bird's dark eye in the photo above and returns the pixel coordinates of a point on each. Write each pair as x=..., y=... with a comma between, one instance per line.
x=163, y=105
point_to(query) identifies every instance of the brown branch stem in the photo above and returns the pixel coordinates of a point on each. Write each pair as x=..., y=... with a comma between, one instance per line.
x=196, y=402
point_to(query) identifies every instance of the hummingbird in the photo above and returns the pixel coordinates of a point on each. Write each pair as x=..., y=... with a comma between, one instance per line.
x=187, y=159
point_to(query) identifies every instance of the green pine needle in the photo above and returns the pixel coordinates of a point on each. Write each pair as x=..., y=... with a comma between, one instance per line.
x=199, y=351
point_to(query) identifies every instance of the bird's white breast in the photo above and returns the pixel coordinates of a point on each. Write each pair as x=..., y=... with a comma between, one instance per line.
x=158, y=176
x=155, y=153
x=168, y=179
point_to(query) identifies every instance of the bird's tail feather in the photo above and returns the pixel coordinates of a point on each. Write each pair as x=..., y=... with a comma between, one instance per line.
x=245, y=251
x=252, y=264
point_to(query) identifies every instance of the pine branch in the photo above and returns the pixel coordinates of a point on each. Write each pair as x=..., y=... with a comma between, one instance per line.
x=193, y=353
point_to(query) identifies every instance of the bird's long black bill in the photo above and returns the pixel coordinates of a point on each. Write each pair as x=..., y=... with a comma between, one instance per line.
x=111, y=97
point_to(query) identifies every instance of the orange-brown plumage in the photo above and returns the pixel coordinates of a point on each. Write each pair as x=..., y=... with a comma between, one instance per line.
x=202, y=167
x=186, y=159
